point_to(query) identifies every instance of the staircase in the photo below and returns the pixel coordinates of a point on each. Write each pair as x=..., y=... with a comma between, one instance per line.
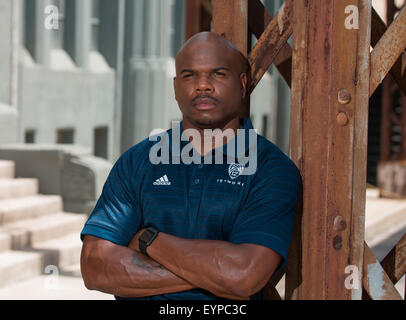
x=34, y=230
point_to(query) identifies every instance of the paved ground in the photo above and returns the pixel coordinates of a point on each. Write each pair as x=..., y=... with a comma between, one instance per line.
x=384, y=216
x=68, y=285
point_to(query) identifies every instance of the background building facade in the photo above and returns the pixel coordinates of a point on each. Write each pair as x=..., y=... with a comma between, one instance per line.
x=99, y=74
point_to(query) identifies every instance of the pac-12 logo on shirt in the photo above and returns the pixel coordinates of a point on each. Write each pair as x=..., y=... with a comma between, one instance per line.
x=235, y=169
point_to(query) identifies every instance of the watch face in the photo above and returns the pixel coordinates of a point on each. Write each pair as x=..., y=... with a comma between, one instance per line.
x=146, y=235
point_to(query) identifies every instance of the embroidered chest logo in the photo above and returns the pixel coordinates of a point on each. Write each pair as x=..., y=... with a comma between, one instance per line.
x=162, y=181
x=235, y=169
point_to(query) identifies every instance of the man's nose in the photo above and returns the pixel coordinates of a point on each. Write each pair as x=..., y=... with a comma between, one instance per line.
x=204, y=85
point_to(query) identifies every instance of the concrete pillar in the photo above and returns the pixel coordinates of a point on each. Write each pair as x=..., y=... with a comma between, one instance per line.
x=148, y=98
x=77, y=31
x=111, y=46
x=9, y=29
x=37, y=37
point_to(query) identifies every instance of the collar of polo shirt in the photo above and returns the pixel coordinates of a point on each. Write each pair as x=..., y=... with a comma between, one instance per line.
x=243, y=134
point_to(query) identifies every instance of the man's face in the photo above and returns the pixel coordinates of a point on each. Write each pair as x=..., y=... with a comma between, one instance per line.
x=210, y=84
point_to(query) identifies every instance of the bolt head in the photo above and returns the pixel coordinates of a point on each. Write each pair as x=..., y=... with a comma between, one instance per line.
x=342, y=119
x=344, y=96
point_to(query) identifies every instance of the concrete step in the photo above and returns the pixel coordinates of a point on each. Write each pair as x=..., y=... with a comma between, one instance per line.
x=52, y=255
x=17, y=188
x=19, y=265
x=12, y=210
x=61, y=252
x=26, y=233
x=7, y=169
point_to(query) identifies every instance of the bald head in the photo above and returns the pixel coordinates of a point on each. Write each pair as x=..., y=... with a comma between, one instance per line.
x=210, y=82
x=218, y=44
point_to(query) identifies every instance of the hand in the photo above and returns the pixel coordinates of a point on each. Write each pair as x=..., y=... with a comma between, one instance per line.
x=134, y=243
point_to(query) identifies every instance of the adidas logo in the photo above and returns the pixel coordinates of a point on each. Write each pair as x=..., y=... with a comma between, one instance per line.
x=163, y=181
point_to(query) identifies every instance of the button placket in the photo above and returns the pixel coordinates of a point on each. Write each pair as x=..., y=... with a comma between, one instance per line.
x=195, y=194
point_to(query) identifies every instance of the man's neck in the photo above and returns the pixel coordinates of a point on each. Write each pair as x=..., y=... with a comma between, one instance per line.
x=216, y=136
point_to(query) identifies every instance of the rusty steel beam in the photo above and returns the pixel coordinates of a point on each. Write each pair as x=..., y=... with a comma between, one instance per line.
x=387, y=51
x=258, y=20
x=375, y=280
x=270, y=43
x=394, y=262
x=328, y=140
x=398, y=70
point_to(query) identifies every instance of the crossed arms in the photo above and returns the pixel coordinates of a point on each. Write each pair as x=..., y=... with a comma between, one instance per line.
x=233, y=271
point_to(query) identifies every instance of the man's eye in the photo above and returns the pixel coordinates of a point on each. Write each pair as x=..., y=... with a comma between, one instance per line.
x=219, y=74
x=187, y=75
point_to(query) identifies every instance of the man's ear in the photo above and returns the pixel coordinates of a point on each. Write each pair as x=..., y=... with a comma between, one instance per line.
x=243, y=81
x=174, y=86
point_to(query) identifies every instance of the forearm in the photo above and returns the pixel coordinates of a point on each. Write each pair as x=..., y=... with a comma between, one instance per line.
x=216, y=266
x=126, y=273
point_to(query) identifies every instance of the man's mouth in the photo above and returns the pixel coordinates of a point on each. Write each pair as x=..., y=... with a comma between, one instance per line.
x=204, y=102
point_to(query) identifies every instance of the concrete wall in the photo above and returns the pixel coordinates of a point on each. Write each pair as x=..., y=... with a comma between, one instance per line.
x=8, y=123
x=67, y=87
x=127, y=86
x=64, y=96
x=8, y=111
x=149, y=67
x=5, y=49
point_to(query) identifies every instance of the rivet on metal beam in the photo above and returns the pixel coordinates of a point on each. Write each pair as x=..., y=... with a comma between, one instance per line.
x=339, y=223
x=344, y=96
x=342, y=119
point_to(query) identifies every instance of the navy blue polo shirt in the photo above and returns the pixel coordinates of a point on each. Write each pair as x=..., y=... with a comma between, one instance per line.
x=199, y=200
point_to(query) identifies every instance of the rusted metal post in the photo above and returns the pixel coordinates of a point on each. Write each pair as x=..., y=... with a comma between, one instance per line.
x=328, y=141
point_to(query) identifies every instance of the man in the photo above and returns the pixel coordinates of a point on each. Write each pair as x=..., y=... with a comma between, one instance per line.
x=194, y=231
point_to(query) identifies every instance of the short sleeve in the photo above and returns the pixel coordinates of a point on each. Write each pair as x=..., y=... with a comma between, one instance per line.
x=116, y=216
x=267, y=217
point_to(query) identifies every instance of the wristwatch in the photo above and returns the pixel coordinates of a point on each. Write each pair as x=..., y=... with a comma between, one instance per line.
x=146, y=239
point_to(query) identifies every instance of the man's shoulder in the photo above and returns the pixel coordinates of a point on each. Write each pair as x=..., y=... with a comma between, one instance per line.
x=269, y=150
x=270, y=155
x=142, y=148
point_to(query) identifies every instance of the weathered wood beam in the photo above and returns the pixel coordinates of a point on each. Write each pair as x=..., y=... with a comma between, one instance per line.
x=328, y=142
x=272, y=40
x=230, y=20
x=192, y=18
x=398, y=70
x=394, y=262
x=375, y=281
x=271, y=293
x=207, y=6
x=258, y=20
x=387, y=51
x=197, y=17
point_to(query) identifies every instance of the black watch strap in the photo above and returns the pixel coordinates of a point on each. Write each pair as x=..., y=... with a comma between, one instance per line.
x=146, y=239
